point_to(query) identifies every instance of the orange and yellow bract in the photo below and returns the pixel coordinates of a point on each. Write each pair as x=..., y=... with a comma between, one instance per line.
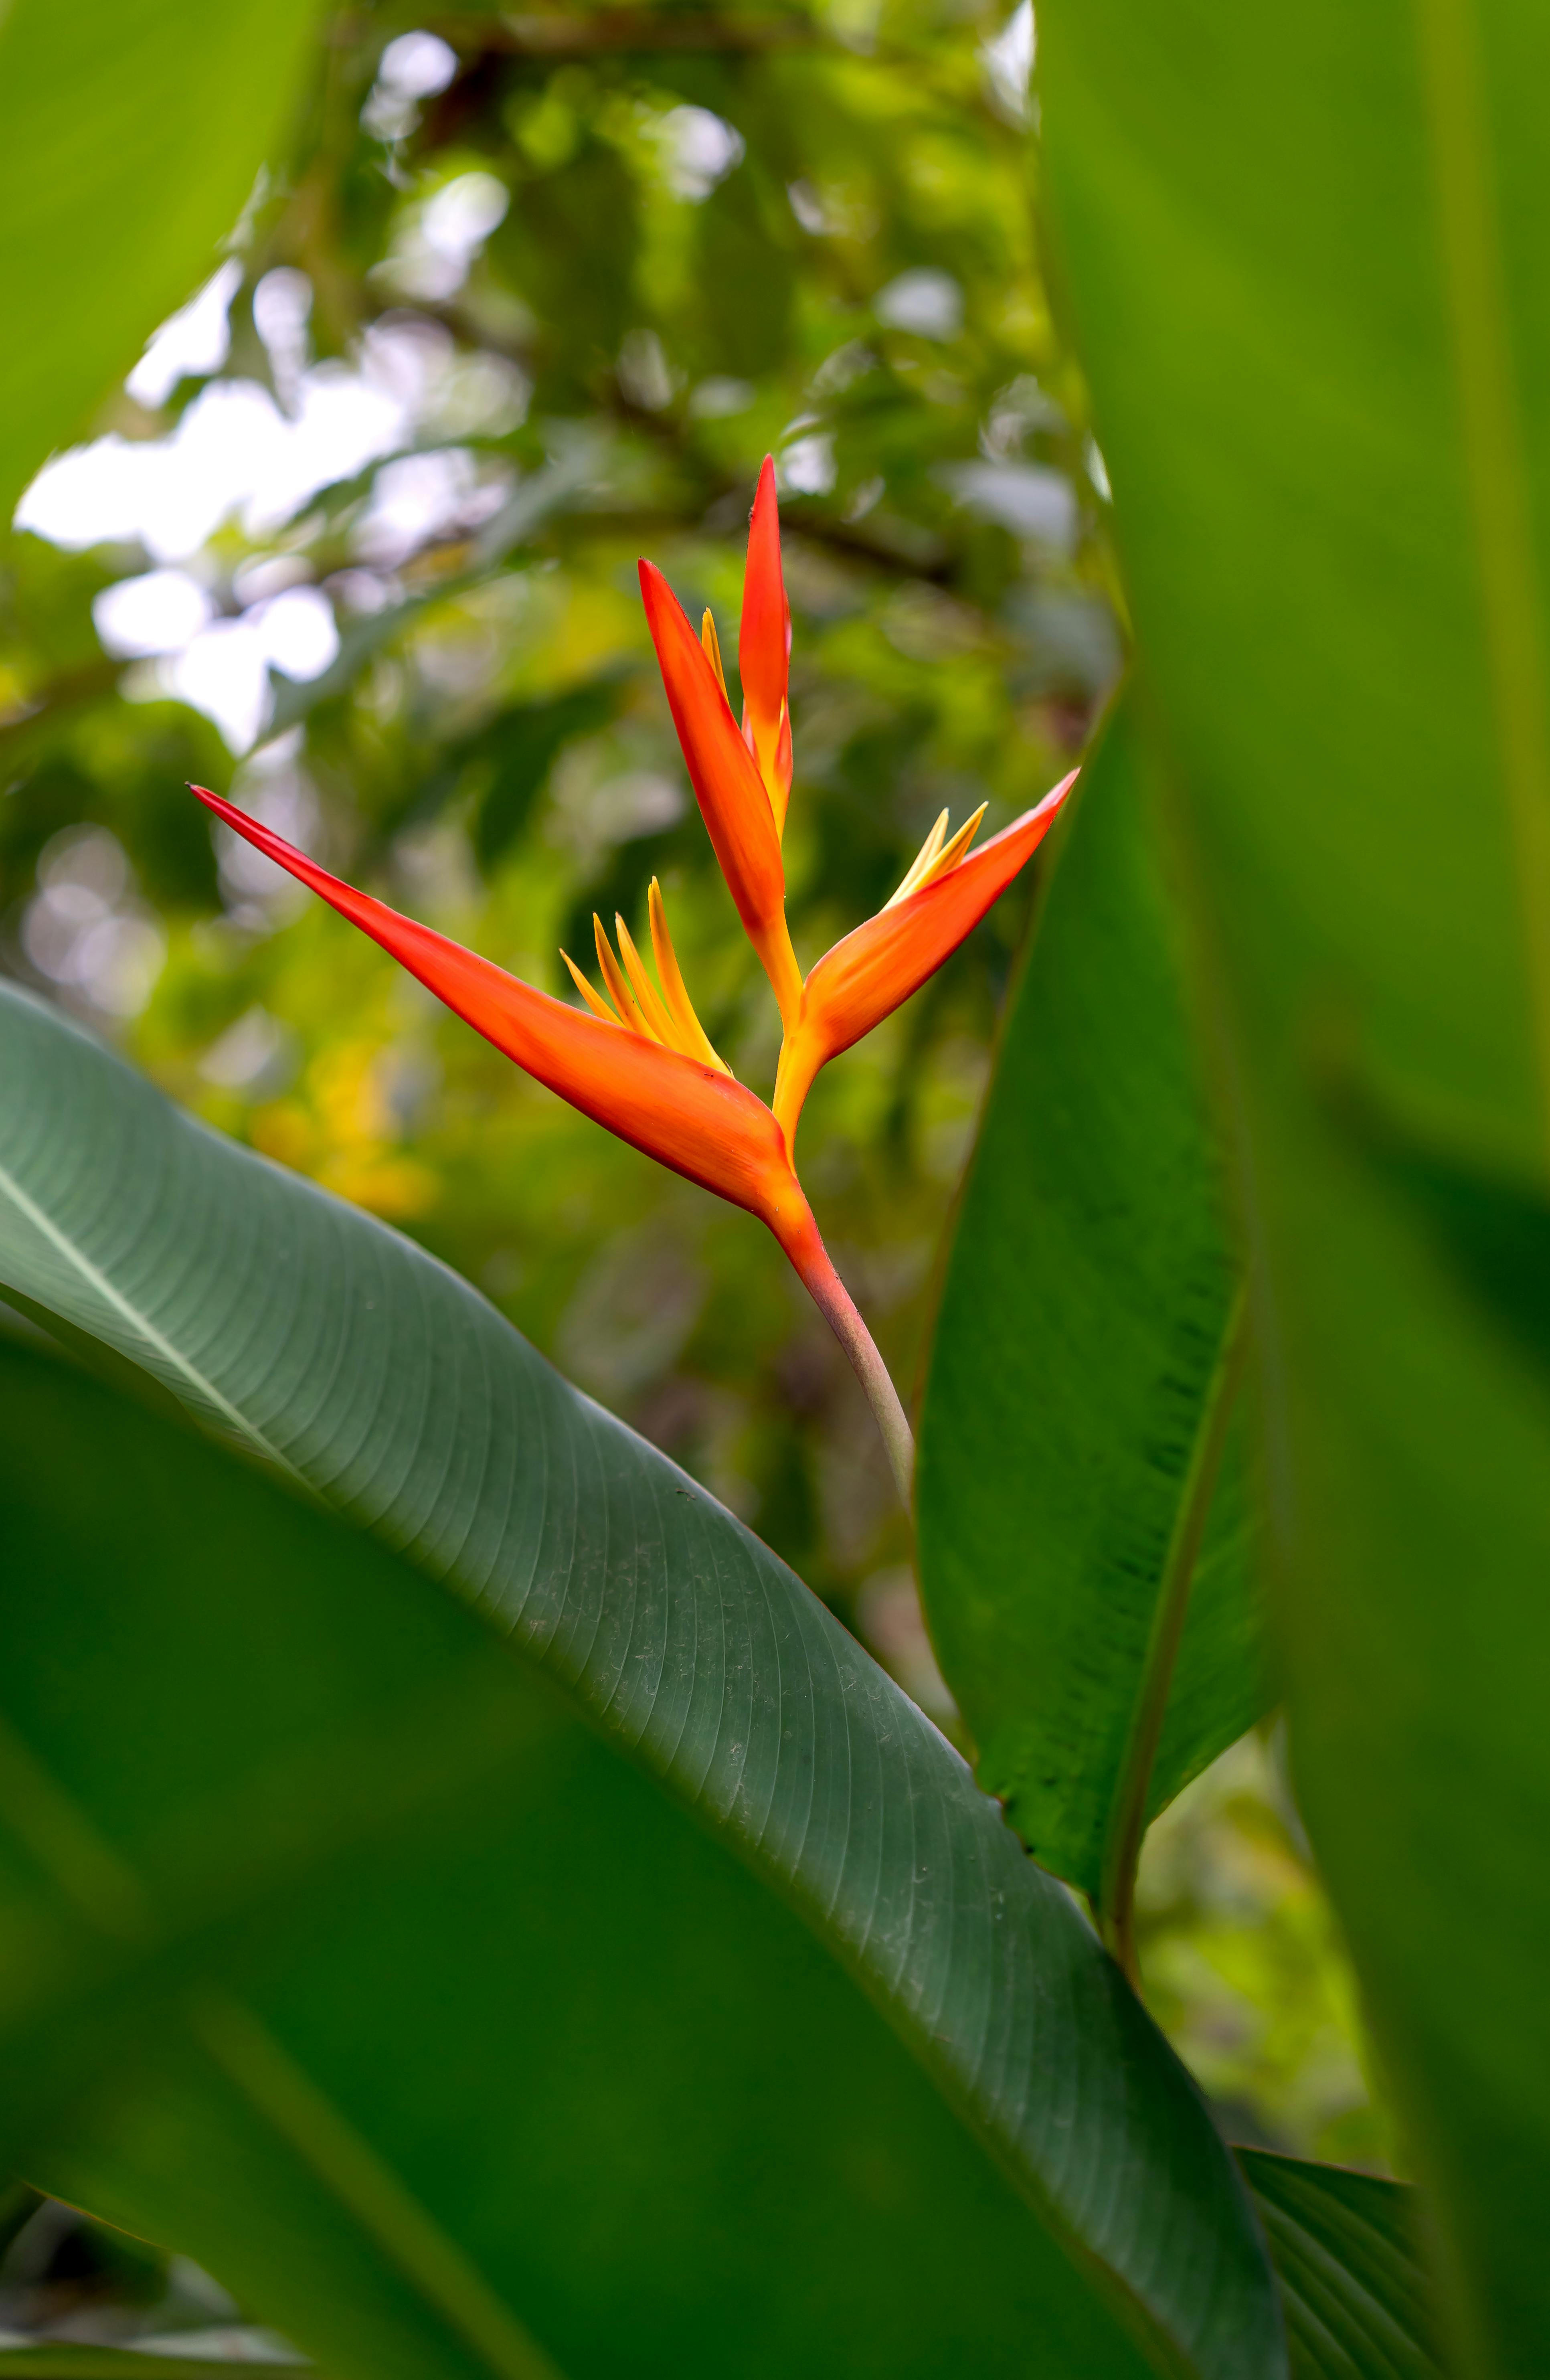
x=636, y=1058
x=764, y=650
x=871, y=971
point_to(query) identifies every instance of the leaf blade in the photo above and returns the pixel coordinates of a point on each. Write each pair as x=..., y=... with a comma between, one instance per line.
x=1347, y=2254
x=1313, y=506
x=1070, y=1400
x=407, y=1401
x=418, y=2014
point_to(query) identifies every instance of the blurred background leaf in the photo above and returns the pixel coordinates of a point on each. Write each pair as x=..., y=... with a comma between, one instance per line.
x=1307, y=286
x=129, y=139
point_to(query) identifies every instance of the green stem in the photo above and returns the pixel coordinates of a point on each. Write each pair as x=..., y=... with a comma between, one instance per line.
x=1127, y=1823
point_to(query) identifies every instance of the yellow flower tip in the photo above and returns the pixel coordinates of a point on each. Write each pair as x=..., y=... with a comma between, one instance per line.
x=690, y=1035
x=915, y=873
x=598, y=1007
x=712, y=644
x=645, y=990
x=958, y=849
x=936, y=858
x=619, y=991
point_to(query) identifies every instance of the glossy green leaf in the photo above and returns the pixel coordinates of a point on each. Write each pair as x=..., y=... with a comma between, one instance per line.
x=1306, y=263
x=1090, y=1586
x=130, y=141
x=345, y=1955
x=345, y=1355
x=1347, y=2254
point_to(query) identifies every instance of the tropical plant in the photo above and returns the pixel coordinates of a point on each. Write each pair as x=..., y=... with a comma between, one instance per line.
x=462, y=1888
x=638, y=1059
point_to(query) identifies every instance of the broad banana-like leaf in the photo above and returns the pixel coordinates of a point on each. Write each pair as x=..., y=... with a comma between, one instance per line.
x=351, y=1361
x=1305, y=264
x=1349, y=2258
x=343, y=1954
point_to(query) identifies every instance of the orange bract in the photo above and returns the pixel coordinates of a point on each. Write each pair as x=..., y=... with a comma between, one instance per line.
x=728, y=787
x=678, y=1110
x=764, y=650
x=866, y=976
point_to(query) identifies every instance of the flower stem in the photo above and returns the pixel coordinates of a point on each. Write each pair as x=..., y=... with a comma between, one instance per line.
x=835, y=1302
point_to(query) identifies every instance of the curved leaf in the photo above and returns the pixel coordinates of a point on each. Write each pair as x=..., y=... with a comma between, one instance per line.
x=1090, y=1590
x=342, y=1953
x=129, y=139
x=1307, y=272
x=1346, y=2254
x=346, y=1355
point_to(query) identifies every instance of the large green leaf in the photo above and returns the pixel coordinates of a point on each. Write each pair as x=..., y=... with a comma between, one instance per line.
x=1091, y=1597
x=343, y=1954
x=344, y=1355
x=1305, y=260
x=1347, y=2255
x=130, y=138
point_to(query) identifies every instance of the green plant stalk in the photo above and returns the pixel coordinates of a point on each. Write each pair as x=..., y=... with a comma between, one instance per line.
x=1127, y=1825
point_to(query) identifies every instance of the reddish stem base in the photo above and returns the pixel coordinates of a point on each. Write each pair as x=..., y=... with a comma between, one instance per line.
x=835, y=1302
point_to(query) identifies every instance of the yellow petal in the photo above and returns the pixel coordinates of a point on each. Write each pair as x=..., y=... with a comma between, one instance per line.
x=919, y=863
x=694, y=1041
x=645, y=990
x=598, y=1007
x=619, y=991
x=950, y=856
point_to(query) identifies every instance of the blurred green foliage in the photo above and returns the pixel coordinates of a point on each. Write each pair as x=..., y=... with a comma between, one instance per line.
x=604, y=265
x=723, y=234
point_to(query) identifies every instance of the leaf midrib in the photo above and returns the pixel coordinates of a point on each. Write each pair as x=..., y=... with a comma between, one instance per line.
x=1473, y=279
x=143, y=1328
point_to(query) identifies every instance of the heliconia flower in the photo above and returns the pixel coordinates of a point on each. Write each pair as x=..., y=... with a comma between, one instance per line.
x=733, y=799
x=866, y=976
x=635, y=1057
x=944, y=894
x=639, y=1070
x=764, y=650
